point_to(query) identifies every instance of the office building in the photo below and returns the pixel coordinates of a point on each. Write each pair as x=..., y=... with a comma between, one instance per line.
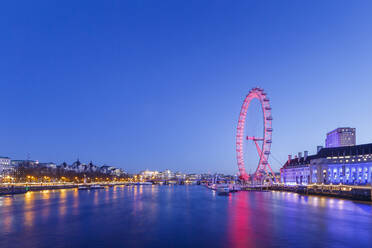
x=344, y=136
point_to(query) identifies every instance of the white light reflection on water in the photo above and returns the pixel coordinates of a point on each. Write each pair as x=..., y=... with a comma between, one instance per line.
x=28, y=209
x=62, y=203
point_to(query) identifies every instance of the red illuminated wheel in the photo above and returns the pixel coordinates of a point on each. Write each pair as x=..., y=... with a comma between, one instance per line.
x=263, y=144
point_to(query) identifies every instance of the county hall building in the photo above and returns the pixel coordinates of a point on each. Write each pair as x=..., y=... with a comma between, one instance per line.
x=348, y=164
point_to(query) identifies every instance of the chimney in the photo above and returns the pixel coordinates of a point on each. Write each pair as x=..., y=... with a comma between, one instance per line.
x=319, y=148
x=299, y=155
x=289, y=157
x=306, y=153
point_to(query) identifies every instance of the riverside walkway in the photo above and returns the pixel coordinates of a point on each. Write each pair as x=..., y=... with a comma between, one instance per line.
x=20, y=188
x=354, y=192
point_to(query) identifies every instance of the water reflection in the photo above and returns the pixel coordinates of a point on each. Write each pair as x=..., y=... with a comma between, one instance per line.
x=137, y=203
x=135, y=192
x=45, y=211
x=75, y=206
x=95, y=198
x=240, y=226
x=28, y=209
x=314, y=201
x=107, y=195
x=62, y=203
x=6, y=217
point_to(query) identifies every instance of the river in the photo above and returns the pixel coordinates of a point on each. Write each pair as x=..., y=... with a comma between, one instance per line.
x=181, y=216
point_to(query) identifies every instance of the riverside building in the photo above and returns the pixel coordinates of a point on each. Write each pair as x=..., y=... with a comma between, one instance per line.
x=296, y=171
x=350, y=165
x=4, y=164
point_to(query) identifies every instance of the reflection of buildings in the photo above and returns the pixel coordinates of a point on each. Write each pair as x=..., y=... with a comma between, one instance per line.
x=344, y=136
x=333, y=165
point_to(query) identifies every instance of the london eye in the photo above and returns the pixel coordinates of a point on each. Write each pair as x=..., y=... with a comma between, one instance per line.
x=262, y=143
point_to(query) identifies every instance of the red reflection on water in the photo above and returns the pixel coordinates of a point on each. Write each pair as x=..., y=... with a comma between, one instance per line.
x=240, y=226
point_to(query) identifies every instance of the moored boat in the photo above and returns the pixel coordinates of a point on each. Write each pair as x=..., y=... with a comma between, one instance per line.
x=223, y=189
x=96, y=186
x=235, y=188
x=145, y=183
x=212, y=186
x=83, y=187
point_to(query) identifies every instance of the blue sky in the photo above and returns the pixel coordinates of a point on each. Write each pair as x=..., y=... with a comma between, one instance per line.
x=159, y=84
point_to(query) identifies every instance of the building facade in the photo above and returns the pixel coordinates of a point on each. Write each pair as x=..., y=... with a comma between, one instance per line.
x=5, y=164
x=296, y=171
x=147, y=174
x=351, y=165
x=24, y=163
x=344, y=136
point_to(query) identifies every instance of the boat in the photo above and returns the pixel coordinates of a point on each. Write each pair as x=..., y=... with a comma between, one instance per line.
x=145, y=183
x=83, y=187
x=235, y=188
x=96, y=186
x=212, y=186
x=223, y=189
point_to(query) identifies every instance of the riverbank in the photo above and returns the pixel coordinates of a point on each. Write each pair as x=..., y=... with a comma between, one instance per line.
x=360, y=193
x=16, y=189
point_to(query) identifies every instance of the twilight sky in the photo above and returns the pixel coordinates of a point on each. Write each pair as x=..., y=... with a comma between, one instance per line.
x=159, y=84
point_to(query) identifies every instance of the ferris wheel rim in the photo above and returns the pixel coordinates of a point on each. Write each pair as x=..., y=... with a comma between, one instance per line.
x=255, y=93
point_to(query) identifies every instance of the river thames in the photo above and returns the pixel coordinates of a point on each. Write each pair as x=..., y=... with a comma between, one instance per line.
x=181, y=216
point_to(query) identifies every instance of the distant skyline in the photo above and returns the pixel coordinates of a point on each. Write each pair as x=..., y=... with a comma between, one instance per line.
x=159, y=84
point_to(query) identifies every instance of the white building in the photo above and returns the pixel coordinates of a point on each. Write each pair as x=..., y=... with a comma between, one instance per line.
x=350, y=165
x=48, y=165
x=117, y=172
x=180, y=175
x=105, y=169
x=167, y=174
x=24, y=162
x=147, y=174
x=5, y=164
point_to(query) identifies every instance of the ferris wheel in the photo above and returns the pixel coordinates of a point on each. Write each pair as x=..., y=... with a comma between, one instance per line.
x=263, y=144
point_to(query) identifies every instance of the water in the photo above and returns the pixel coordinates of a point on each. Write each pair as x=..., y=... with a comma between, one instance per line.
x=181, y=216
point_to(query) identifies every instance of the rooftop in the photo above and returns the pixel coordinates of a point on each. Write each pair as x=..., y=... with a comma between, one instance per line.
x=332, y=152
x=339, y=129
